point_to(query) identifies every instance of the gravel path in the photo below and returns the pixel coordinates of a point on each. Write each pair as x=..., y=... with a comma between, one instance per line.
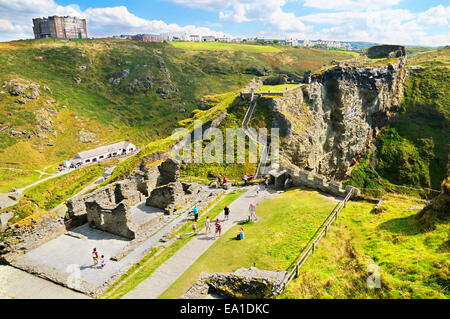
x=173, y=268
x=18, y=284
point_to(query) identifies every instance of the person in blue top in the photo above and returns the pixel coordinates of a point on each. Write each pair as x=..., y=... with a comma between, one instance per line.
x=195, y=210
x=240, y=235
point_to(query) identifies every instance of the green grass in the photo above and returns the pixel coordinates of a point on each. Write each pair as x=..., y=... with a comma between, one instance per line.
x=111, y=112
x=150, y=263
x=51, y=193
x=414, y=260
x=279, y=88
x=286, y=224
x=10, y=179
x=220, y=46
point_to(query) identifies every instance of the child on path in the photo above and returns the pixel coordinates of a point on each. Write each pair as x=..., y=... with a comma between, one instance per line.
x=194, y=227
x=102, y=262
x=226, y=212
x=218, y=228
x=257, y=189
x=95, y=256
x=207, y=226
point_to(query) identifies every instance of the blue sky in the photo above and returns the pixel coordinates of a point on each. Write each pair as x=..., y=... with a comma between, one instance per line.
x=385, y=21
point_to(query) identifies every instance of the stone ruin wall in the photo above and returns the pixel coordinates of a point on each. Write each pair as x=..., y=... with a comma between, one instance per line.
x=297, y=177
x=243, y=284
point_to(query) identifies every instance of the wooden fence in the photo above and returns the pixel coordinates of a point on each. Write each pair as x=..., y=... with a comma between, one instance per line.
x=311, y=246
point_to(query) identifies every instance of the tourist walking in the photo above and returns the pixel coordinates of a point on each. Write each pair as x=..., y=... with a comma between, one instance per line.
x=207, y=226
x=95, y=256
x=102, y=262
x=266, y=183
x=252, y=210
x=257, y=189
x=225, y=180
x=226, y=211
x=245, y=178
x=195, y=210
x=194, y=227
x=218, y=228
x=219, y=179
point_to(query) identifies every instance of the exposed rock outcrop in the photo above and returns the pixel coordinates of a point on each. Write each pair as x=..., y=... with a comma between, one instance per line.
x=329, y=123
x=257, y=71
x=22, y=88
x=386, y=51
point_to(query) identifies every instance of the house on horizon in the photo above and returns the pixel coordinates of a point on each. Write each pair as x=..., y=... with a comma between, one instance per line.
x=195, y=38
x=60, y=27
x=103, y=153
x=149, y=38
x=208, y=38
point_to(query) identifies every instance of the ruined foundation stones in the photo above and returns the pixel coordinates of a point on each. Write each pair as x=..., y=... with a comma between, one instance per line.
x=245, y=283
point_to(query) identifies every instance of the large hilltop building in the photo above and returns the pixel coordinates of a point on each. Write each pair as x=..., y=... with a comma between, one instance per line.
x=60, y=27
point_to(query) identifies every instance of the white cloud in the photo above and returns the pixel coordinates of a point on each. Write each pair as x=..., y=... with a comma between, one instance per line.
x=350, y=4
x=438, y=15
x=361, y=20
x=16, y=20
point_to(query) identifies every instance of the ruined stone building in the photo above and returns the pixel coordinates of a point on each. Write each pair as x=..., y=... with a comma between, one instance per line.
x=60, y=27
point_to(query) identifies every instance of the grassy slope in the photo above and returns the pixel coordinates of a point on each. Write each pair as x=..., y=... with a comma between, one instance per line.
x=220, y=46
x=111, y=112
x=287, y=223
x=143, y=269
x=414, y=149
x=414, y=261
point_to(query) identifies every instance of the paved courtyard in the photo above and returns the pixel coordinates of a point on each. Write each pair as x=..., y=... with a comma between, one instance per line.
x=18, y=284
x=64, y=251
x=68, y=254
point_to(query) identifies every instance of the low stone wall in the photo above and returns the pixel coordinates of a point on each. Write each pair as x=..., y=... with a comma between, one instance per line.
x=30, y=233
x=306, y=178
x=245, y=283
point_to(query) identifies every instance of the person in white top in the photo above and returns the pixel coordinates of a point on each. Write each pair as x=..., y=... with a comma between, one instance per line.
x=207, y=226
x=252, y=209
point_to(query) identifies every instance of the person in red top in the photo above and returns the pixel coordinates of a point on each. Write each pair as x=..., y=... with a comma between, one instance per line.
x=218, y=228
x=95, y=256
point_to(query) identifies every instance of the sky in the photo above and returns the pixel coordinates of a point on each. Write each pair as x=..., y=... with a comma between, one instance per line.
x=408, y=22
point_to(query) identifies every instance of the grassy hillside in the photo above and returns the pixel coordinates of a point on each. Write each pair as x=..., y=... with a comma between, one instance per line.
x=286, y=224
x=413, y=149
x=109, y=90
x=413, y=259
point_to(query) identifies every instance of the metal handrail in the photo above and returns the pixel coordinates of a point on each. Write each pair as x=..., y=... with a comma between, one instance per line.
x=316, y=238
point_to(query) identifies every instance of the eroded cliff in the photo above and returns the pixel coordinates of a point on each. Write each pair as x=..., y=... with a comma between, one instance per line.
x=330, y=122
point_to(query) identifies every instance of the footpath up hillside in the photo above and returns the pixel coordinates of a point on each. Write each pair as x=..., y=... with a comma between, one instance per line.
x=61, y=97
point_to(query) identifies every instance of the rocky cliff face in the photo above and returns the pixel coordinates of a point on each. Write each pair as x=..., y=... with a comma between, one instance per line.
x=330, y=122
